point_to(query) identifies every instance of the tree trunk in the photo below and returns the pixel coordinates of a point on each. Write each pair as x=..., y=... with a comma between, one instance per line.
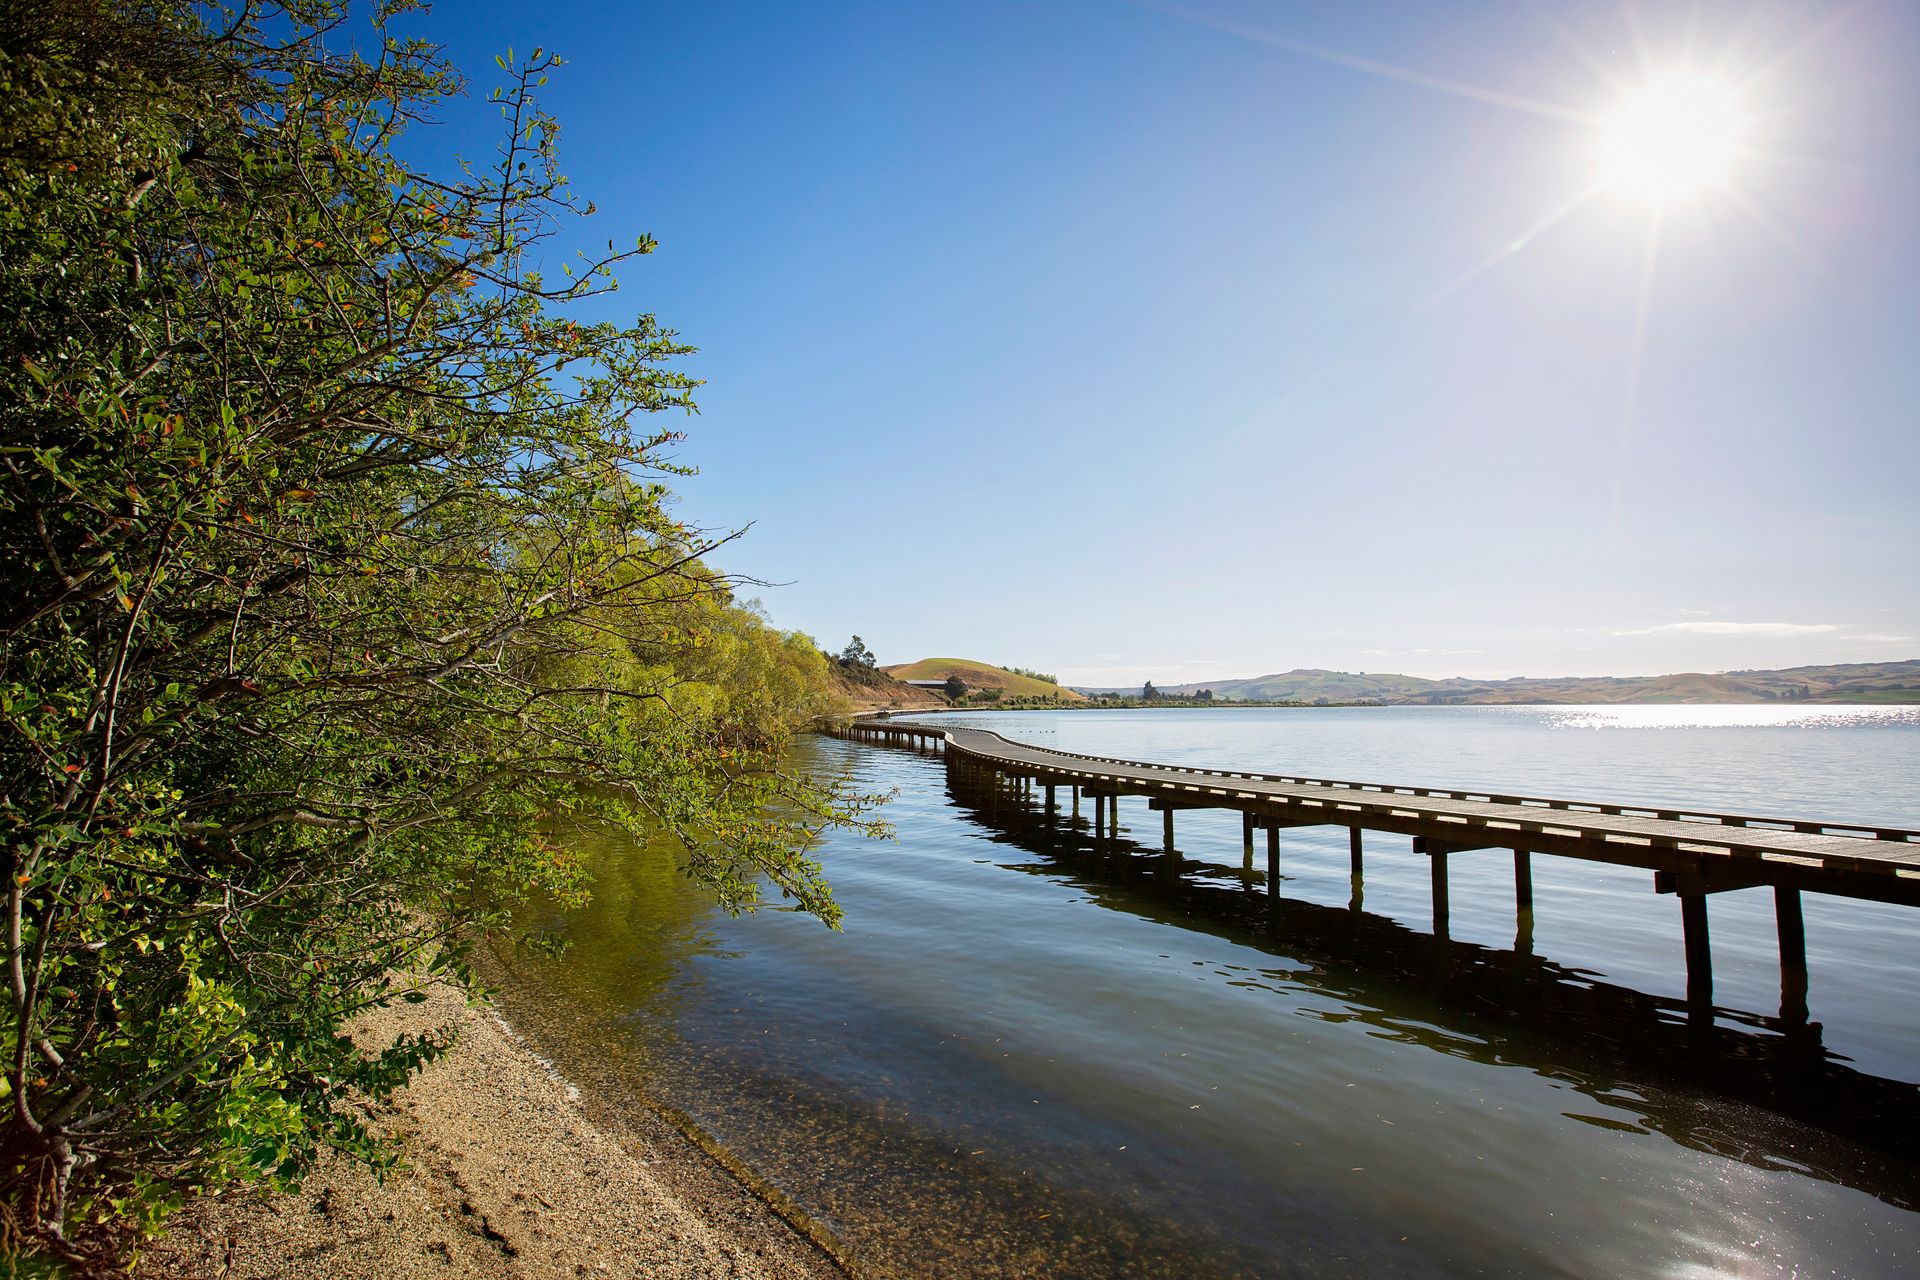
x=37, y=1166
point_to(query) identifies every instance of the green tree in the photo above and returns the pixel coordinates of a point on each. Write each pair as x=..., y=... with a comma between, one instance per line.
x=718, y=661
x=955, y=688
x=856, y=654
x=337, y=561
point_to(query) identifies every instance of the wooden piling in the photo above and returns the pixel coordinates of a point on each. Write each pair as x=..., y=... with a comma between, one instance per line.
x=1793, y=955
x=1691, y=854
x=1693, y=922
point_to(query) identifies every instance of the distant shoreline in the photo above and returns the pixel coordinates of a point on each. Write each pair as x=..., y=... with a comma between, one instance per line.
x=1895, y=682
x=1218, y=704
x=987, y=687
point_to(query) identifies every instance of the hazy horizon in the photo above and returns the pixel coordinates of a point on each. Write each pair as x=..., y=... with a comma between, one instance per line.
x=1423, y=675
x=1466, y=339
x=1452, y=673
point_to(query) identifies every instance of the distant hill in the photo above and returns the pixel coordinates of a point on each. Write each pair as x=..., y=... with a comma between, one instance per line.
x=1840, y=682
x=981, y=675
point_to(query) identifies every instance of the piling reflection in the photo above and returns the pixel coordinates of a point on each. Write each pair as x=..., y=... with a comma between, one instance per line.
x=1622, y=1047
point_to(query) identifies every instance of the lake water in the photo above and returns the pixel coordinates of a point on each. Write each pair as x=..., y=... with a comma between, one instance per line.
x=1032, y=1055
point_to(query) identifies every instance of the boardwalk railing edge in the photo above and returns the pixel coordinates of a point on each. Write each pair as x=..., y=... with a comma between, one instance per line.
x=1692, y=854
x=1852, y=830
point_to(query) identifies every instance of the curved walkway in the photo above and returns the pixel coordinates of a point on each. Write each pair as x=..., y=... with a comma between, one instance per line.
x=1705, y=851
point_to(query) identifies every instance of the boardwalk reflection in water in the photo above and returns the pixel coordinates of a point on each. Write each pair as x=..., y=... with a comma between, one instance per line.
x=1502, y=1006
x=1028, y=1055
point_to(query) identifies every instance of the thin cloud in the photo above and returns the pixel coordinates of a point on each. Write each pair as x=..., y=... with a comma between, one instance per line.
x=1735, y=629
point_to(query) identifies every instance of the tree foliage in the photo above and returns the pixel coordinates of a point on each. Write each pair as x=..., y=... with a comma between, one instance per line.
x=856, y=654
x=338, y=559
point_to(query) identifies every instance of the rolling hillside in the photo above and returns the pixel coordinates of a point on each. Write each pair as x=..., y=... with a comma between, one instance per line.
x=1839, y=682
x=982, y=675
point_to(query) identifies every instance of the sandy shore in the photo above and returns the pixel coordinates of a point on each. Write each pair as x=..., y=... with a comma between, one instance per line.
x=510, y=1172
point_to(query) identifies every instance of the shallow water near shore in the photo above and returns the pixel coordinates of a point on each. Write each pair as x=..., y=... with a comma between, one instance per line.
x=1029, y=1054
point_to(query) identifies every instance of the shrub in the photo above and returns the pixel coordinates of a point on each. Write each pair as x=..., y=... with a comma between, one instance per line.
x=337, y=560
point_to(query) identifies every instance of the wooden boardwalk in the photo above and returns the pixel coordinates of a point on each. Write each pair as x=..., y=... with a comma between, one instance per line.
x=1691, y=854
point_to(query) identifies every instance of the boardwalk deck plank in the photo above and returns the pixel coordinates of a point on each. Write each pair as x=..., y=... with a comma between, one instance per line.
x=1791, y=850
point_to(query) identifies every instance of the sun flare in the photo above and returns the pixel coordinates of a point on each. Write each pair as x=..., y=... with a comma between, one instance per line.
x=1673, y=137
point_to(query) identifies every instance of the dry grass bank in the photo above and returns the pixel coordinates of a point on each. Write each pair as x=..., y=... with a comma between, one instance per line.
x=879, y=691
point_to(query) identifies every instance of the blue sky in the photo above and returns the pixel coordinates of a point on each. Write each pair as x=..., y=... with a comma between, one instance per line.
x=1129, y=341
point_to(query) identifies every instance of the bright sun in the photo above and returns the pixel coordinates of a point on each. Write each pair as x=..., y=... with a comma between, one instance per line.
x=1672, y=138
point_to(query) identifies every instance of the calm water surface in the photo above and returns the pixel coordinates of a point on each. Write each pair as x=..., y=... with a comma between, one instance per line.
x=1031, y=1055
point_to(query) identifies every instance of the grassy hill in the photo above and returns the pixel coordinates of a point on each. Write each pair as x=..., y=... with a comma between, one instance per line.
x=982, y=675
x=1837, y=682
x=1310, y=683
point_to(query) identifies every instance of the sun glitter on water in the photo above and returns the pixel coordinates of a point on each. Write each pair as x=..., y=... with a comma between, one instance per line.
x=1672, y=138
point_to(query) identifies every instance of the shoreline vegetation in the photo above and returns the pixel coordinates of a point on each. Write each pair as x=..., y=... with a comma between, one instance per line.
x=511, y=1166
x=340, y=564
